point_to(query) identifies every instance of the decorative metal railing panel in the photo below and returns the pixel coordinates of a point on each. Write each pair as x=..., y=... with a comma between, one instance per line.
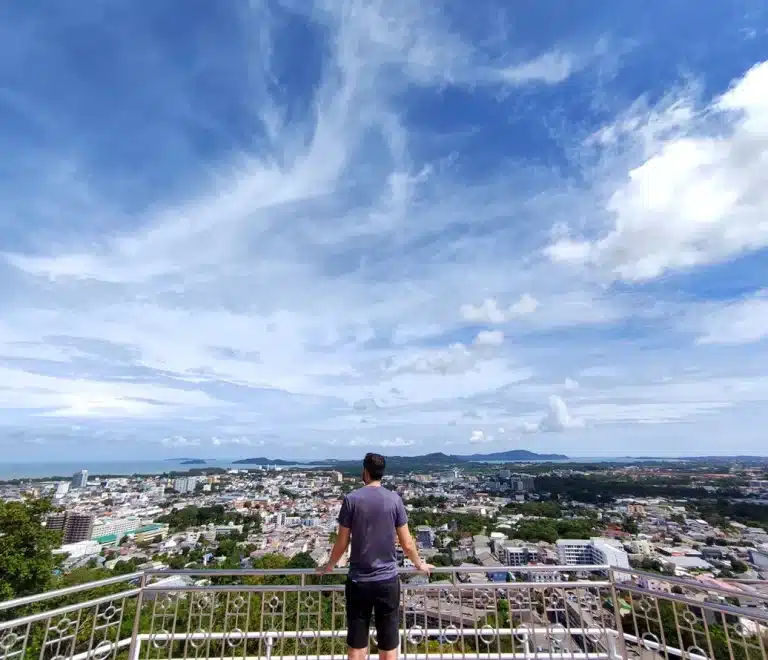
x=561, y=612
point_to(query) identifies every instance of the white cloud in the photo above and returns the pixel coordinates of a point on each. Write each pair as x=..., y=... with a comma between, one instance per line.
x=489, y=310
x=236, y=440
x=741, y=322
x=523, y=307
x=397, y=442
x=179, y=441
x=570, y=384
x=486, y=312
x=479, y=437
x=489, y=338
x=698, y=198
x=455, y=359
x=557, y=419
x=549, y=68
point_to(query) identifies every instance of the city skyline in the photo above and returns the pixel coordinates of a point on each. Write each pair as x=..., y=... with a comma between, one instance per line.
x=300, y=230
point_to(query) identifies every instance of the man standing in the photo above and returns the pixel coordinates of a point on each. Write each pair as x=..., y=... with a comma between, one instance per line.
x=373, y=516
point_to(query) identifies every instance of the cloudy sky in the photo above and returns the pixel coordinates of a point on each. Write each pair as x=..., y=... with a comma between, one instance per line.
x=296, y=229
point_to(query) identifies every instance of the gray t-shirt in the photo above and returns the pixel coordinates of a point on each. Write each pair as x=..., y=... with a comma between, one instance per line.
x=371, y=514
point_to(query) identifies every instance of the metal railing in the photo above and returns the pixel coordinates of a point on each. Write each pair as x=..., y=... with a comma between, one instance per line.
x=552, y=612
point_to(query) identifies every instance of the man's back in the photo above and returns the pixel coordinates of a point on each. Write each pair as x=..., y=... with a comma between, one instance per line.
x=372, y=514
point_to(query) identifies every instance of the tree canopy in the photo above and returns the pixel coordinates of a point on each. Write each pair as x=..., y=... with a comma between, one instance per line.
x=26, y=548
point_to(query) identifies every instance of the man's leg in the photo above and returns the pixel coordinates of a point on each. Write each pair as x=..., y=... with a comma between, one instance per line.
x=387, y=609
x=359, y=607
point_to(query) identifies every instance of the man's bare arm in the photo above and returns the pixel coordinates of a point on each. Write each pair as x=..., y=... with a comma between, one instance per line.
x=339, y=548
x=410, y=550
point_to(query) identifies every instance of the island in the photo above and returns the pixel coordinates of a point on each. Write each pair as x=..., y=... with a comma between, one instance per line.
x=427, y=460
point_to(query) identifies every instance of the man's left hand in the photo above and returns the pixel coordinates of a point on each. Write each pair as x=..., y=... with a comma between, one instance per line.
x=324, y=569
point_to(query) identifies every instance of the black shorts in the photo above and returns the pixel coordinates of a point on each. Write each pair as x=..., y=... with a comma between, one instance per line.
x=383, y=599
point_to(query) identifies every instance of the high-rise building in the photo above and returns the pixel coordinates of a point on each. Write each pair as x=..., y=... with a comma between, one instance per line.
x=185, y=484
x=56, y=521
x=75, y=526
x=61, y=490
x=80, y=479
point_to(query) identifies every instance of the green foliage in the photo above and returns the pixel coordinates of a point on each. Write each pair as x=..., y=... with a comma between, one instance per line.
x=715, y=512
x=193, y=516
x=739, y=566
x=599, y=489
x=302, y=560
x=630, y=526
x=550, y=530
x=427, y=501
x=440, y=560
x=26, y=548
x=547, y=509
x=467, y=524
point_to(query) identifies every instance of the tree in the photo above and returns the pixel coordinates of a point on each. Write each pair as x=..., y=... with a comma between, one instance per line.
x=26, y=548
x=302, y=560
x=630, y=526
x=739, y=566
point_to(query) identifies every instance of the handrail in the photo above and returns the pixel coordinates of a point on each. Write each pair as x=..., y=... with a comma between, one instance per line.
x=66, y=591
x=448, y=570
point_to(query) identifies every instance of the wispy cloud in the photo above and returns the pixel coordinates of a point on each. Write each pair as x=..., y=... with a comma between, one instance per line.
x=423, y=211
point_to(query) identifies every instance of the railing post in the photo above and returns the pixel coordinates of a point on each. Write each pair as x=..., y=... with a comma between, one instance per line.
x=133, y=651
x=616, y=646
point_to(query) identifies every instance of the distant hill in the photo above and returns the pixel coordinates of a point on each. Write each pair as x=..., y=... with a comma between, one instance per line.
x=425, y=460
x=266, y=461
x=514, y=455
x=193, y=461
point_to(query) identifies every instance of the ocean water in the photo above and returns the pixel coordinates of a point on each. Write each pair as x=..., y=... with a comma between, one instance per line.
x=98, y=468
x=127, y=468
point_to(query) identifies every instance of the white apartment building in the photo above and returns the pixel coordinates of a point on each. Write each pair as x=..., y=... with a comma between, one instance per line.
x=576, y=552
x=185, y=484
x=118, y=526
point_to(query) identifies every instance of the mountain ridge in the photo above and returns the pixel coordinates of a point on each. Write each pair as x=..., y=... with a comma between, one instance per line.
x=511, y=455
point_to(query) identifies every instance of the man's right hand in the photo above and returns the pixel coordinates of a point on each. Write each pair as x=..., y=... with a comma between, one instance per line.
x=424, y=568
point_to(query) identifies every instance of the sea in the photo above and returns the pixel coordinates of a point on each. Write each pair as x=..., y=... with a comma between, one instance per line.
x=115, y=468
x=127, y=468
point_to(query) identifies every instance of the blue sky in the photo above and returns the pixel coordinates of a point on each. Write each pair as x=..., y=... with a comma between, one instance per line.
x=308, y=229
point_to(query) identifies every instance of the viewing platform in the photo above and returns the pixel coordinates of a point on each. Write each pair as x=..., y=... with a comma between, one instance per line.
x=577, y=612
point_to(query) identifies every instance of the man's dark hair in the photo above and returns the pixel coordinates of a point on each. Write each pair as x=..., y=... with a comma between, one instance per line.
x=374, y=464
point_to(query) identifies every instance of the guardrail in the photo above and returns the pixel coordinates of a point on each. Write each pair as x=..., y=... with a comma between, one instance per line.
x=576, y=612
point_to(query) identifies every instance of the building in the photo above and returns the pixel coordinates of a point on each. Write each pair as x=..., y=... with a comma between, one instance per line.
x=75, y=527
x=56, y=521
x=61, y=490
x=185, y=484
x=337, y=477
x=151, y=532
x=78, y=527
x=80, y=479
x=513, y=555
x=117, y=526
x=425, y=536
x=594, y=551
x=759, y=560
x=79, y=549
